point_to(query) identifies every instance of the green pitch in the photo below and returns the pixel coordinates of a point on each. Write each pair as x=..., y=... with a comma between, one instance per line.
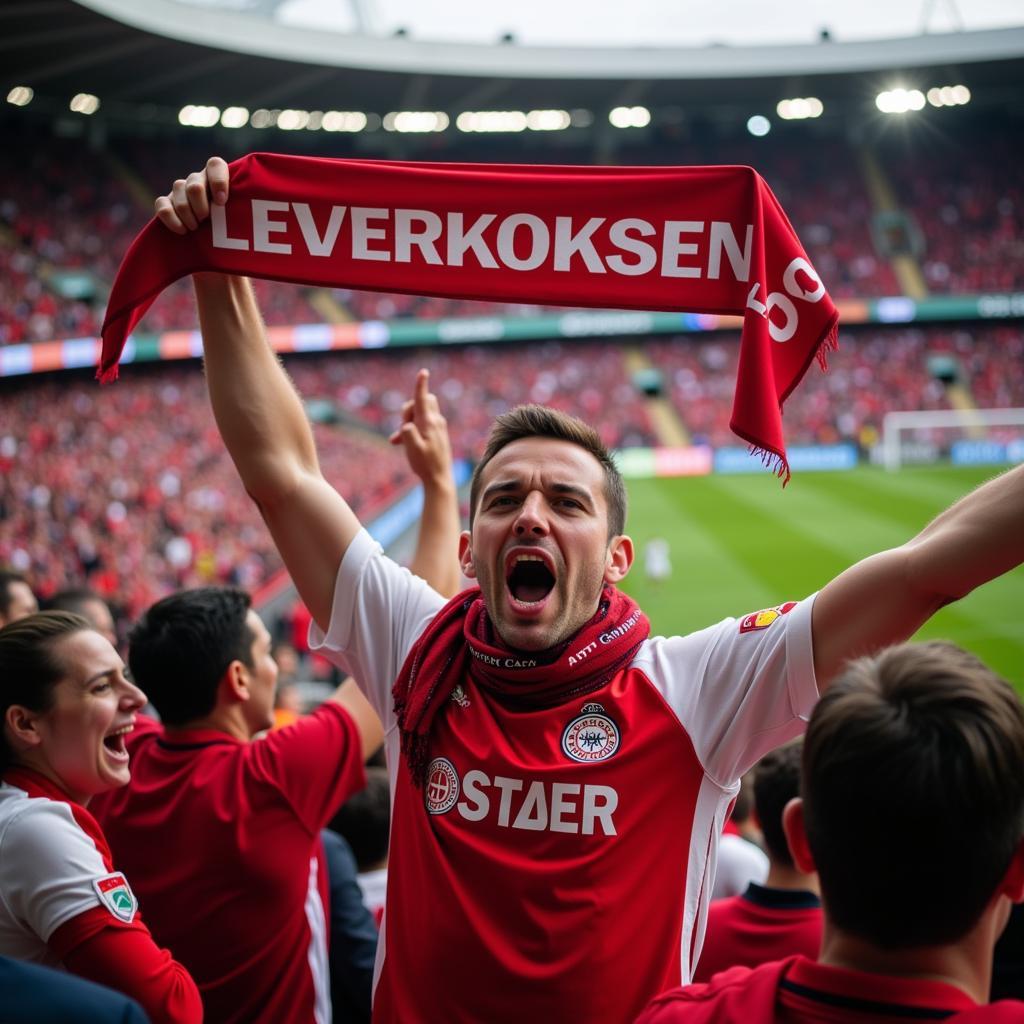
x=741, y=543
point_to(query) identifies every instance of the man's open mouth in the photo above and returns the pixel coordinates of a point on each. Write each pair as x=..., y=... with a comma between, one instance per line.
x=529, y=578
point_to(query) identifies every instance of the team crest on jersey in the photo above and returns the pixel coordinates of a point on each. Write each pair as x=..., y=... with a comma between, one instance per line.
x=459, y=696
x=764, y=618
x=591, y=736
x=442, y=788
x=116, y=895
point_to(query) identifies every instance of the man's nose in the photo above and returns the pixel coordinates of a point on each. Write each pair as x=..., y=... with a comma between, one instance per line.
x=532, y=518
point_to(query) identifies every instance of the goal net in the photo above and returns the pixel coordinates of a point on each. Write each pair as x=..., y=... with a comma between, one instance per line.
x=996, y=435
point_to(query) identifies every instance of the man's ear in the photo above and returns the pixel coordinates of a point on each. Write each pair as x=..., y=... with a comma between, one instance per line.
x=620, y=558
x=796, y=836
x=22, y=727
x=1013, y=881
x=466, y=555
x=234, y=684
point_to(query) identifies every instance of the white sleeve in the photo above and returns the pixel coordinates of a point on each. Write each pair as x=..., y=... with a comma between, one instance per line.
x=740, y=688
x=378, y=612
x=48, y=865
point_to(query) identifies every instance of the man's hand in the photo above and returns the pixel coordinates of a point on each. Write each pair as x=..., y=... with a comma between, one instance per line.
x=187, y=205
x=424, y=434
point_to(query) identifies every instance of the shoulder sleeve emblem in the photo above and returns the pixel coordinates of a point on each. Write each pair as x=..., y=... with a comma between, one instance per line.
x=764, y=618
x=116, y=895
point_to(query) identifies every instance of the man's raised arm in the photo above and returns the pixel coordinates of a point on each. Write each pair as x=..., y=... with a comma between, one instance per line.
x=887, y=597
x=259, y=414
x=424, y=436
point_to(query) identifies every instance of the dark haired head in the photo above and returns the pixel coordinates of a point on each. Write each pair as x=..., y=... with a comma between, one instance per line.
x=776, y=782
x=30, y=667
x=540, y=421
x=181, y=647
x=87, y=603
x=16, y=597
x=364, y=820
x=913, y=789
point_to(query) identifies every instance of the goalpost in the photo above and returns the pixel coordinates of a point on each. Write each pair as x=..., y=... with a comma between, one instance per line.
x=973, y=422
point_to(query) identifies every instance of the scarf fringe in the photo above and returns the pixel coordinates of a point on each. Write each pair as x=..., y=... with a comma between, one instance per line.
x=107, y=375
x=774, y=462
x=830, y=343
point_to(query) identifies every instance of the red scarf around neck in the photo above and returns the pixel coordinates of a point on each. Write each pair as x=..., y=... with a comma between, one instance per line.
x=461, y=639
x=697, y=239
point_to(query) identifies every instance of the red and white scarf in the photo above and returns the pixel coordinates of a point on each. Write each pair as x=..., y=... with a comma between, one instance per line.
x=697, y=239
x=461, y=640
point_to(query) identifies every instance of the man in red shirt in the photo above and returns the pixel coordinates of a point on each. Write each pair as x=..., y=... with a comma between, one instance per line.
x=913, y=816
x=560, y=778
x=220, y=834
x=783, y=916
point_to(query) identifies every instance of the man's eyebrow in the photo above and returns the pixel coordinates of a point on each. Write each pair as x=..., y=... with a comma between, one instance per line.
x=500, y=485
x=574, y=489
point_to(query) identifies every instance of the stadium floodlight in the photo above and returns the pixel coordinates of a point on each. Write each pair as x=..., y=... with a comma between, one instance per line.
x=629, y=117
x=415, y=121
x=234, y=117
x=949, y=95
x=198, y=116
x=759, y=125
x=899, y=101
x=293, y=120
x=548, y=120
x=84, y=103
x=343, y=121
x=20, y=96
x=492, y=121
x=263, y=118
x=800, y=109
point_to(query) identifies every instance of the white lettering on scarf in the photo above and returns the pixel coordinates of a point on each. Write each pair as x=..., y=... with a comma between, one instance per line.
x=519, y=241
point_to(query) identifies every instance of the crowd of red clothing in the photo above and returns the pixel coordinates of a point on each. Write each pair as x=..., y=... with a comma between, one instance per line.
x=963, y=198
x=128, y=488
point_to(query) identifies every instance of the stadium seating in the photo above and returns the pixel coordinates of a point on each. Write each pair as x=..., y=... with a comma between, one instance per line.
x=961, y=193
x=129, y=488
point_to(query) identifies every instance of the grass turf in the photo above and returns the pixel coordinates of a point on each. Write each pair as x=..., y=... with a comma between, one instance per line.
x=741, y=543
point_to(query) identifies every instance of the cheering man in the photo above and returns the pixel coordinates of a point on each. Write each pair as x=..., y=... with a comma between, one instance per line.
x=560, y=778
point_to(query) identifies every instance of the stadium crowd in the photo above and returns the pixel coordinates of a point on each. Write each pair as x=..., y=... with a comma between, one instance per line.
x=967, y=206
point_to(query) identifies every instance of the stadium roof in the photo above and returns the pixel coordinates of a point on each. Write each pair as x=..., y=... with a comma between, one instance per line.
x=146, y=60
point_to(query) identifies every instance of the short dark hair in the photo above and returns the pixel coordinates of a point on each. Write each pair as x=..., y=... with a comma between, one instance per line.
x=7, y=577
x=74, y=599
x=913, y=788
x=29, y=668
x=776, y=782
x=364, y=819
x=181, y=647
x=540, y=421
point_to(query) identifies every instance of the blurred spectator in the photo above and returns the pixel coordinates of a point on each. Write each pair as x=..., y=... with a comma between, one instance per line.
x=365, y=822
x=783, y=916
x=90, y=606
x=16, y=597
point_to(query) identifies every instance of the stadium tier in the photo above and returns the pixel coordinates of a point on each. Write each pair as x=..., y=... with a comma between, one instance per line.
x=946, y=218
